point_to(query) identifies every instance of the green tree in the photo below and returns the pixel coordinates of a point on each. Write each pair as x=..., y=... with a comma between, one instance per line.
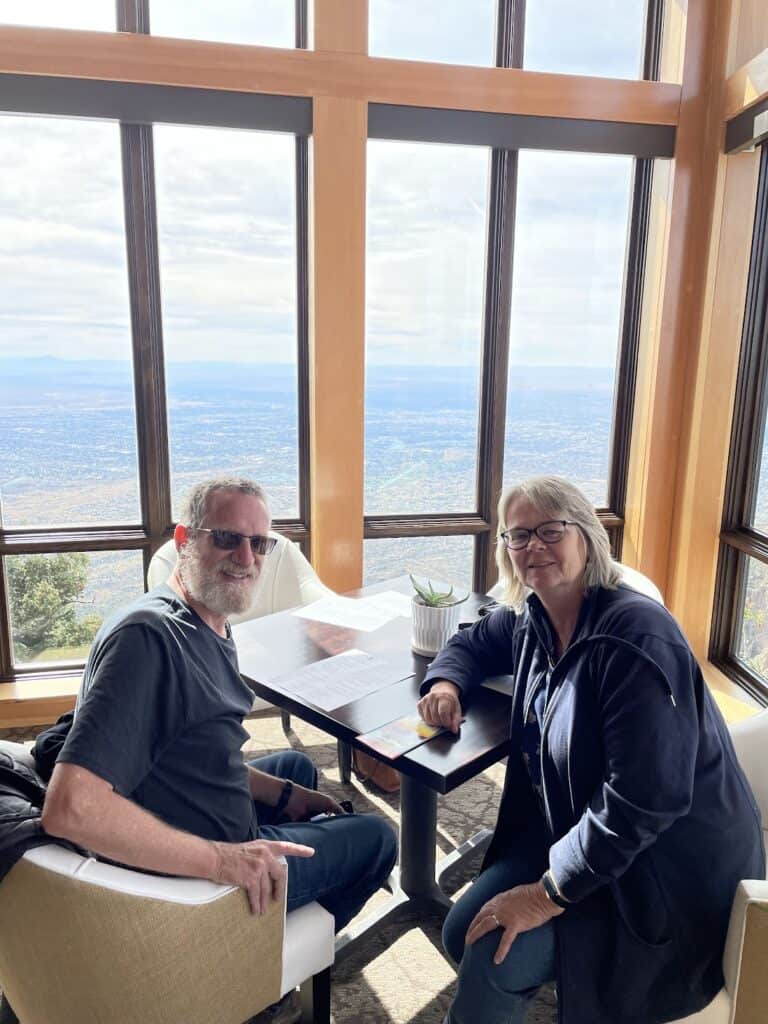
x=44, y=592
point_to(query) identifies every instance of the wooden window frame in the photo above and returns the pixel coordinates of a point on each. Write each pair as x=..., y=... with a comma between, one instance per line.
x=153, y=456
x=206, y=99
x=739, y=540
x=452, y=126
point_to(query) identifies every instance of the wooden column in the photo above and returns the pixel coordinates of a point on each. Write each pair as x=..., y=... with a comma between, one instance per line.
x=671, y=333
x=337, y=308
x=704, y=463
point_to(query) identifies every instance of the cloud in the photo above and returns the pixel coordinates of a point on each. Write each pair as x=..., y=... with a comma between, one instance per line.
x=226, y=213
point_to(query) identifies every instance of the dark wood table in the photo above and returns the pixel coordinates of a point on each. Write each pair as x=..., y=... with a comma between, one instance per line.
x=276, y=644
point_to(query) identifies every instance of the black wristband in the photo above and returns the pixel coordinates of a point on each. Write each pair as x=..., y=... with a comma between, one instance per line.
x=553, y=893
x=285, y=796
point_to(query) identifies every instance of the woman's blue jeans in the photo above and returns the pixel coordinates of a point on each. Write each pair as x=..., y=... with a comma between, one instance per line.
x=489, y=992
x=354, y=853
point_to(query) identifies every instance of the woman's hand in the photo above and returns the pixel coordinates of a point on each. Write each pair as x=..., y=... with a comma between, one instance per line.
x=516, y=910
x=441, y=706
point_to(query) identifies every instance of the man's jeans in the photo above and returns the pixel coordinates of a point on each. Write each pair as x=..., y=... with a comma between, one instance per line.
x=354, y=853
x=497, y=993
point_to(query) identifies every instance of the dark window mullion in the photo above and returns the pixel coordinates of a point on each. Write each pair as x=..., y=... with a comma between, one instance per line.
x=510, y=33
x=302, y=327
x=6, y=643
x=502, y=201
x=632, y=300
x=301, y=24
x=629, y=343
x=738, y=539
x=495, y=358
x=147, y=331
x=133, y=16
x=654, y=37
x=752, y=387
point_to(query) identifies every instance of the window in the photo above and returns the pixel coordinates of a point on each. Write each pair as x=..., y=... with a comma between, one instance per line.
x=86, y=482
x=570, y=254
x=58, y=601
x=266, y=23
x=67, y=422
x=450, y=31
x=445, y=559
x=426, y=254
x=226, y=205
x=93, y=15
x=593, y=37
x=739, y=643
x=167, y=333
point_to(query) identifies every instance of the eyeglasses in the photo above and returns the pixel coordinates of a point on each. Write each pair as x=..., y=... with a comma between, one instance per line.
x=228, y=540
x=549, y=533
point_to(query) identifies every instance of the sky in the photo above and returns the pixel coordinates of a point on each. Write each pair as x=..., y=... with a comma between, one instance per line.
x=226, y=209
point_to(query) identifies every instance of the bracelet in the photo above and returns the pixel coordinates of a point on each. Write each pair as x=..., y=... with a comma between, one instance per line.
x=285, y=796
x=550, y=888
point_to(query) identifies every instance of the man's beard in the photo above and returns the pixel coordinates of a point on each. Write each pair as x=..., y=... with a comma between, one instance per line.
x=209, y=588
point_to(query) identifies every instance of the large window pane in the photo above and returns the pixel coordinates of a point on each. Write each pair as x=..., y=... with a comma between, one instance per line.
x=57, y=602
x=93, y=15
x=760, y=518
x=592, y=37
x=67, y=423
x=753, y=644
x=426, y=255
x=227, y=227
x=266, y=23
x=452, y=31
x=570, y=241
x=444, y=559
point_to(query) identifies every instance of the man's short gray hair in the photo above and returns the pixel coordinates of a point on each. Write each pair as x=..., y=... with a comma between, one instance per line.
x=556, y=498
x=195, y=506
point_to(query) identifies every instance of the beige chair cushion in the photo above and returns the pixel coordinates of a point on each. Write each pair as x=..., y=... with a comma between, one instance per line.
x=81, y=940
x=72, y=952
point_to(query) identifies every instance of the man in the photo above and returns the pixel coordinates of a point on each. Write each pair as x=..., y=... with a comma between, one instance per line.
x=151, y=774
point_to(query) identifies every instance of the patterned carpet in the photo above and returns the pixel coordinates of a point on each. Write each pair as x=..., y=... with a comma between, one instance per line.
x=399, y=975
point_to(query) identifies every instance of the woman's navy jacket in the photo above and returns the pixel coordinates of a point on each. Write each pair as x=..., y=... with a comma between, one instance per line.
x=651, y=820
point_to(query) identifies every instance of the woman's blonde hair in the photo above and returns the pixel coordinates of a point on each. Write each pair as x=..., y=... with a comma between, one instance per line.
x=556, y=498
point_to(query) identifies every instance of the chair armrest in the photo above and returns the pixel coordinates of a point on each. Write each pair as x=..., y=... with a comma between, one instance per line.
x=746, y=952
x=170, y=889
x=75, y=949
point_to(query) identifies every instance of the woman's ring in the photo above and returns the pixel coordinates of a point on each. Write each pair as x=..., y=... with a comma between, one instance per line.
x=496, y=921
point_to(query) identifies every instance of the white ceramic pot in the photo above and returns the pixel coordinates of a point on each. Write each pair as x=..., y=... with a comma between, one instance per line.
x=432, y=627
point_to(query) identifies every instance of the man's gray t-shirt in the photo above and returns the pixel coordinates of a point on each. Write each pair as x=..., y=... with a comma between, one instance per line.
x=160, y=714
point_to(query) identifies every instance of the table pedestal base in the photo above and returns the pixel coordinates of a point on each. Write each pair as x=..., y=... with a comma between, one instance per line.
x=416, y=889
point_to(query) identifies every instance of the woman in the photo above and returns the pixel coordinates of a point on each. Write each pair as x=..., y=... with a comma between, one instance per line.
x=609, y=869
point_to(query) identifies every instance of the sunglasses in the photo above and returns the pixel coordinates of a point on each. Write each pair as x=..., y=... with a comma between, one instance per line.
x=228, y=540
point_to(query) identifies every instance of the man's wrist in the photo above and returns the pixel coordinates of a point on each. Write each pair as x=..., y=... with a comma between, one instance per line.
x=285, y=796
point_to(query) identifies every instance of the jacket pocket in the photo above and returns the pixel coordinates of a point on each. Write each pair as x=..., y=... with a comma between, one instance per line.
x=641, y=904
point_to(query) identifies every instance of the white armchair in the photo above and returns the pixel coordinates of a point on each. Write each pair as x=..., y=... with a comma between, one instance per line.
x=84, y=942
x=744, y=1000
x=632, y=577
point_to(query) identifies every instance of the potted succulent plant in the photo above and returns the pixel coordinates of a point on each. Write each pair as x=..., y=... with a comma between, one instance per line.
x=435, y=617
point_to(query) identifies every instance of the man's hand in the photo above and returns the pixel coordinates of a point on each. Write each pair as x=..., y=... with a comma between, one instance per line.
x=256, y=867
x=441, y=706
x=305, y=803
x=514, y=911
